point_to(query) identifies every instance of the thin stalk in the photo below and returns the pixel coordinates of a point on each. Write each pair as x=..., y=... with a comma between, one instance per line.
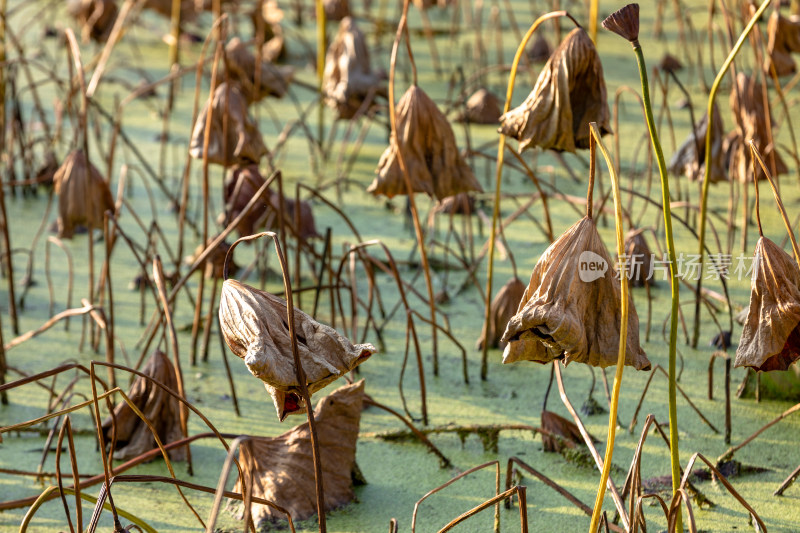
x=423, y=255
x=704, y=194
x=12, y=306
x=781, y=208
x=623, y=327
x=499, y=173
x=673, y=267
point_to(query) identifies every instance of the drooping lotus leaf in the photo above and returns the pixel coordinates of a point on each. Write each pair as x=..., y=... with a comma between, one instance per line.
x=783, y=39
x=569, y=94
x=639, y=259
x=273, y=80
x=254, y=325
x=771, y=336
x=570, y=309
x=83, y=195
x=161, y=409
x=504, y=305
x=95, y=17
x=686, y=161
x=747, y=106
x=348, y=78
x=483, y=107
x=434, y=163
x=242, y=144
x=282, y=468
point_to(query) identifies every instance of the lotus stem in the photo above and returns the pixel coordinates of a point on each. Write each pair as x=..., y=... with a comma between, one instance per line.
x=781, y=208
x=623, y=327
x=499, y=173
x=704, y=193
x=673, y=268
x=401, y=28
x=593, y=20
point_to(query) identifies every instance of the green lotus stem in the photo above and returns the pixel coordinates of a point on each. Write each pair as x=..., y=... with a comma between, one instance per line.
x=43, y=497
x=499, y=173
x=704, y=194
x=623, y=329
x=673, y=271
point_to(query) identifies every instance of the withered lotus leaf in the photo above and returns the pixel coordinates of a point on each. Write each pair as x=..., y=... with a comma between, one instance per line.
x=267, y=23
x=569, y=94
x=558, y=426
x=254, y=325
x=336, y=9
x=686, y=160
x=638, y=259
x=459, y=204
x=95, y=17
x=240, y=187
x=83, y=195
x=504, y=305
x=570, y=309
x=282, y=468
x=215, y=261
x=770, y=336
x=483, y=107
x=434, y=163
x=783, y=39
x=242, y=145
x=540, y=51
x=273, y=80
x=747, y=103
x=348, y=78
x=161, y=409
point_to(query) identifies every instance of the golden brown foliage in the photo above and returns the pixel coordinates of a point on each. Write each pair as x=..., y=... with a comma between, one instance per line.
x=83, y=195
x=561, y=316
x=770, y=336
x=569, y=94
x=282, y=468
x=434, y=163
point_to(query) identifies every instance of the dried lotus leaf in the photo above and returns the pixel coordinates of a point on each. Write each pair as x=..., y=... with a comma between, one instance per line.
x=254, y=325
x=433, y=161
x=483, y=107
x=215, y=260
x=83, y=195
x=348, y=79
x=336, y=9
x=239, y=190
x=504, y=305
x=282, y=468
x=459, y=204
x=771, y=336
x=686, y=161
x=242, y=145
x=561, y=316
x=569, y=94
x=540, y=51
x=639, y=259
x=783, y=39
x=240, y=187
x=273, y=80
x=747, y=103
x=95, y=17
x=161, y=409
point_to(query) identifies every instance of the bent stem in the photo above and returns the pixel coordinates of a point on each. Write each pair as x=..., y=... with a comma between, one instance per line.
x=401, y=28
x=704, y=194
x=673, y=268
x=499, y=173
x=623, y=327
